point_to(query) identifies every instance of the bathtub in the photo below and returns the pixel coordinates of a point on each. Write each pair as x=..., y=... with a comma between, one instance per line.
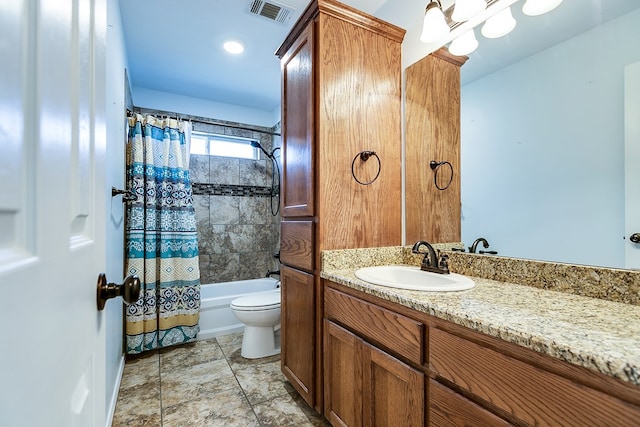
x=216, y=317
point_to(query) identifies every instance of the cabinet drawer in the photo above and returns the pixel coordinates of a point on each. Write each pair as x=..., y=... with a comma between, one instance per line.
x=396, y=333
x=517, y=389
x=449, y=409
x=296, y=244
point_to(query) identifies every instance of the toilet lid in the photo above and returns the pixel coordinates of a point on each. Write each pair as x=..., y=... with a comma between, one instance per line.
x=261, y=301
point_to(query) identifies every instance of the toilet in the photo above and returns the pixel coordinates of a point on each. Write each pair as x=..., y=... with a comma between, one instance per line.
x=260, y=314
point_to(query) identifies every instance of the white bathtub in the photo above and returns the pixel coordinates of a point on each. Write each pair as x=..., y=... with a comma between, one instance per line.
x=216, y=317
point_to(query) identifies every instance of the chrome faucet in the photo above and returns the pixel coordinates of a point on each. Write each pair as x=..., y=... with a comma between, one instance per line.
x=432, y=261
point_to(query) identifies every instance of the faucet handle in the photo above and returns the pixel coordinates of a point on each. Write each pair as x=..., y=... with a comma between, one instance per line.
x=443, y=263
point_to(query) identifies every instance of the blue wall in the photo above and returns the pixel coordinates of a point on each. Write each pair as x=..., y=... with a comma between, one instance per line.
x=543, y=150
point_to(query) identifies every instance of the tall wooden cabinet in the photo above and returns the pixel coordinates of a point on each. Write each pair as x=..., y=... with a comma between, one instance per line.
x=341, y=95
x=432, y=132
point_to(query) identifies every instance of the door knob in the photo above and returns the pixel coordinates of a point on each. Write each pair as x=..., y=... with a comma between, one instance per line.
x=635, y=237
x=129, y=290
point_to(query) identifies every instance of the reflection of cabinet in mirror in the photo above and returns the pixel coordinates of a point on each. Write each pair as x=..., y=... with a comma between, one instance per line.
x=341, y=89
x=432, y=127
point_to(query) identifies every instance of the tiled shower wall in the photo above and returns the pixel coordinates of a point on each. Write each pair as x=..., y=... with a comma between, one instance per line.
x=237, y=234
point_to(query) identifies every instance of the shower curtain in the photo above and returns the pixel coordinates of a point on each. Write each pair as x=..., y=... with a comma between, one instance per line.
x=160, y=240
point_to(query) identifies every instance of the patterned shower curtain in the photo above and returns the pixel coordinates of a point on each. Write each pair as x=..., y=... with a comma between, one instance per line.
x=161, y=241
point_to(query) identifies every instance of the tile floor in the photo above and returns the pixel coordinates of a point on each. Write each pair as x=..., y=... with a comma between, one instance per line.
x=208, y=383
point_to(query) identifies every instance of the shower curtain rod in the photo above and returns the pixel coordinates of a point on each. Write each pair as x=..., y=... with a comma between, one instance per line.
x=198, y=119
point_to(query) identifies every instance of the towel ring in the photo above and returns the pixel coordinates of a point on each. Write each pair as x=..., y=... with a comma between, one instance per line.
x=435, y=166
x=364, y=156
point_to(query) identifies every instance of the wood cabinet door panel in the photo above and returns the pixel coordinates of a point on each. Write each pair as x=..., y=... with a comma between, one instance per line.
x=343, y=376
x=298, y=127
x=393, y=391
x=297, y=356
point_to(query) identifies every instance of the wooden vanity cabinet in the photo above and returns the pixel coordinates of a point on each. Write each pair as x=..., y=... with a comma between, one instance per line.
x=341, y=95
x=459, y=377
x=365, y=385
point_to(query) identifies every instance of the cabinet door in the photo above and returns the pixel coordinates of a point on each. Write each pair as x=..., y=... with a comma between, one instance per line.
x=298, y=127
x=343, y=376
x=297, y=357
x=393, y=391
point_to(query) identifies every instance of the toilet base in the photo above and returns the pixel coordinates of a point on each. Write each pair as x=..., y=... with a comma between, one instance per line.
x=259, y=341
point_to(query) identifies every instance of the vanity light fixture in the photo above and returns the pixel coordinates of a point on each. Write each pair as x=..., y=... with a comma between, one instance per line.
x=464, y=44
x=233, y=47
x=499, y=24
x=434, y=26
x=538, y=7
x=466, y=9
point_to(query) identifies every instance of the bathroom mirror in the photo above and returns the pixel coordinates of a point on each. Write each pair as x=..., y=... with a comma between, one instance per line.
x=543, y=136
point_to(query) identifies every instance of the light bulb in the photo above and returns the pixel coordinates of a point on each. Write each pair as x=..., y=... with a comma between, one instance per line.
x=464, y=44
x=539, y=7
x=499, y=24
x=434, y=26
x=233, y=47
x=466, y=9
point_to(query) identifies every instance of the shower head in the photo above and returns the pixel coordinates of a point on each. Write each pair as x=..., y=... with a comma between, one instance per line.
x=256, y=144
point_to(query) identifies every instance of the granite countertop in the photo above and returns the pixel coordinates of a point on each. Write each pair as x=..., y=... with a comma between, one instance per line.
x=601, y=335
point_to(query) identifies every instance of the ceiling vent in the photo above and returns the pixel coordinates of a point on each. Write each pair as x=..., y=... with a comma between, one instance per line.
x=270, y=10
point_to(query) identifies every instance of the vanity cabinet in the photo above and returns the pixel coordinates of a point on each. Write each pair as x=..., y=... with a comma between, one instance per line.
x=380, y=355
x=525, y=387
x=365, y=385
x=341, y=95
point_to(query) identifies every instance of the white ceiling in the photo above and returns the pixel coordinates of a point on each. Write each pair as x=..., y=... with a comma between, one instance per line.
x=176, y=45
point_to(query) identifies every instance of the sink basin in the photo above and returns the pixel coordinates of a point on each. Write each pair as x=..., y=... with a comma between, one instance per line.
x=409, y=277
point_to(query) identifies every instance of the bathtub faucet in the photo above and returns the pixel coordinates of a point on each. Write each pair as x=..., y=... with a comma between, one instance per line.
x=271, y=273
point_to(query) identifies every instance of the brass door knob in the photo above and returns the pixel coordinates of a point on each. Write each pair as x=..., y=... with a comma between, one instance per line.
x=129, y=290
x=635, y=237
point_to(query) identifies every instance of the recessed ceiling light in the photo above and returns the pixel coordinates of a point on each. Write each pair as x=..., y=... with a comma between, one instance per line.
x=233, y=47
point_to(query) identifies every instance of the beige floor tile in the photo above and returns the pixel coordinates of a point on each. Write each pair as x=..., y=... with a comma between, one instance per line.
x=230, y=343
x=262, y=382
x=138, y=421
x=209, y=383
x=226, y=409
x=140, y=369
x=190, y=354
x=138, y=405
x=196, y=382
x=237, y=362
x=288, y=411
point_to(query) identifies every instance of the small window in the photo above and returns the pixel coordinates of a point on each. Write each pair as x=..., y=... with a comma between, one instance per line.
x=222, y=145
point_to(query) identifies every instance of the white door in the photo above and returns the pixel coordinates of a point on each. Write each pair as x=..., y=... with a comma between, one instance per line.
x=632, y=164
x=52, y=212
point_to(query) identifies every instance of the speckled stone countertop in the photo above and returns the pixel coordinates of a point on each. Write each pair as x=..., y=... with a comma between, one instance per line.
x=596, y=333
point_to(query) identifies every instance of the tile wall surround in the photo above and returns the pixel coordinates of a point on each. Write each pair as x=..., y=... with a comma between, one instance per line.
x=237, y=234
x=609, y=284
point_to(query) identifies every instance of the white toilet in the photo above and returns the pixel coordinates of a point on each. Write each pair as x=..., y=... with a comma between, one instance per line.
x=260, y=314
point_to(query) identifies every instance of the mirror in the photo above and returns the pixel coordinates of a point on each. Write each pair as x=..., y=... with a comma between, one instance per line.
x=543, y=139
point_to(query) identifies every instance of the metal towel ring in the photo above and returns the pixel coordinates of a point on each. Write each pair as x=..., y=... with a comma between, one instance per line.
x=364, y=156
x=435, y=166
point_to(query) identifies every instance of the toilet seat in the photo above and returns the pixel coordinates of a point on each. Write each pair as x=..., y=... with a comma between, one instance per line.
x=257, y=302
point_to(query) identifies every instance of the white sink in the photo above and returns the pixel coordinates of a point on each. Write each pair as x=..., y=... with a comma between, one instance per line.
x=408, y=277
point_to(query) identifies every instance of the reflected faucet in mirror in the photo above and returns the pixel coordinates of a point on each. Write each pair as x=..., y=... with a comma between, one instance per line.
x=474, y=247
x=433, y=261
